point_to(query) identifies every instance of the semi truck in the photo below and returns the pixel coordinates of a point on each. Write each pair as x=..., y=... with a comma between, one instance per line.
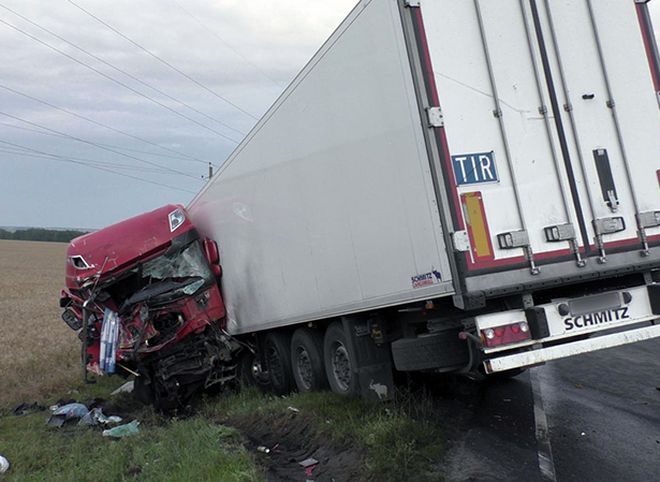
x=461, y=187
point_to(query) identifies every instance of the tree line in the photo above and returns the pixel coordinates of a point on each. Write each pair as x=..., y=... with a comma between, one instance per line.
x=41, y=234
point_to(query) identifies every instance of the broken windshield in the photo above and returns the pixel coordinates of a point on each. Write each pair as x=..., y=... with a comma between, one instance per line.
x=172, y=275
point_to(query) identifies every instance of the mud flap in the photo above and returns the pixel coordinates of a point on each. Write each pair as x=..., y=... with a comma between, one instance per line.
x=373, y=363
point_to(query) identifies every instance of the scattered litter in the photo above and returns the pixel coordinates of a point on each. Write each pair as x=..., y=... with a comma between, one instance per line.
x=125, y=388
x=309, y=465
x=65, y=413
x=657, y=388
x=293, y=409
x=72, y=410
x=96, y=416
x=579, y=386
x=125, y=430
x=583, y=434
x=4, y=465
x=506, y=399
x=263, y=450
x=26, y=408
x=308, y=462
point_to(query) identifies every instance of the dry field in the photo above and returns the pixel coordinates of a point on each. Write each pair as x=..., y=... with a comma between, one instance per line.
x=38, y=353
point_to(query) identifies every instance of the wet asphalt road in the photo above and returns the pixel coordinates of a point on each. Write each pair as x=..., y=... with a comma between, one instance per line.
x=602, y=411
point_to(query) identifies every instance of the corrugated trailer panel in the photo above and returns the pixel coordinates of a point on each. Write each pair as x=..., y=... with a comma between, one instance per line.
x=328, y=206
x=551, y=121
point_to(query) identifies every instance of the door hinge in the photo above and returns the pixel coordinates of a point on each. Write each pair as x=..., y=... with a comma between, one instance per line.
x=412, y=3
x=461, y=241
x=435, y=117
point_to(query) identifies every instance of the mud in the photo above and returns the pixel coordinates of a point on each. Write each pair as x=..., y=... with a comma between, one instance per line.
x=291, y=439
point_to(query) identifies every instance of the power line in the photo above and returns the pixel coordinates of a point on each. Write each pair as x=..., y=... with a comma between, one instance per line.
x=92, y=121
x=122, y=71
x=95, y=144
x=121, y=148
x=124, y=175
x=161, y=60
x=112, y=79
x=16, y=149
x=225, y=43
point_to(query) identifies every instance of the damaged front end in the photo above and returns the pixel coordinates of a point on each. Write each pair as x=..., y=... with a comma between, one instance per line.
x=159, y=317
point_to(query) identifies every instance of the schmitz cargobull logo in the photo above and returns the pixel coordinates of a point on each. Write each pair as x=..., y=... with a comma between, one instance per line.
x=592, y=319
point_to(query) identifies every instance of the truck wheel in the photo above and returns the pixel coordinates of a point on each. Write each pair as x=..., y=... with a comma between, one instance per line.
x=249, y=372
x=307, y=360
x=339, y=365
x=277, y=351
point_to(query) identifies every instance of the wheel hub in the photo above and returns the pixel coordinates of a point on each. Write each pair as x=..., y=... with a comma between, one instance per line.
x=341, y=367
x=304, y=367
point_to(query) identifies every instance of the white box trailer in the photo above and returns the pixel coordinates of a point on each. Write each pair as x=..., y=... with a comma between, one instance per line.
x=452, y=167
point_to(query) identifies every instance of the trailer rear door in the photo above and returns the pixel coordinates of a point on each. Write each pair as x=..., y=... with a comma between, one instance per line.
x=550, y=128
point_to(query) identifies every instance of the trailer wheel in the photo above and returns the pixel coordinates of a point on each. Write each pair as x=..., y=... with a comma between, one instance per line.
x=277, y=353
x=307, y=360
x=339, y=365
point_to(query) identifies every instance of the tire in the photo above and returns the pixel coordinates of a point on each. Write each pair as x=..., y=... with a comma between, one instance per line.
x=437, y=351
x=307, y=360
x=339, y=365
x=248, y=374
x=277, y=353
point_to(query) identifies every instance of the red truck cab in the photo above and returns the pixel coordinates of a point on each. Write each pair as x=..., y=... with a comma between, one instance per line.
x=157, y=281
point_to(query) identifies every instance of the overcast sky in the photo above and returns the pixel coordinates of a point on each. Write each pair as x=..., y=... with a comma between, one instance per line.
x=239, y=53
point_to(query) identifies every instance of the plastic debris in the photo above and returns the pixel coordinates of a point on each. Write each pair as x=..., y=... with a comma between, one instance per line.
x=308, y=462
x=63, y=414
x=121, y=431
x=293, y=409
x=125, y=388
x=96, y=416
x=26, y=408
x=263, y=450
x=309, y=465
x=72, y=410
x=4, y=465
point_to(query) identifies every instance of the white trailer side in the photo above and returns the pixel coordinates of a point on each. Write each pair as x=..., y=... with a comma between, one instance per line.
x=328, y=206
x=476, y=148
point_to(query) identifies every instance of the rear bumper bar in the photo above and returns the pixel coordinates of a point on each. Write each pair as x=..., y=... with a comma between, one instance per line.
x=536, y=357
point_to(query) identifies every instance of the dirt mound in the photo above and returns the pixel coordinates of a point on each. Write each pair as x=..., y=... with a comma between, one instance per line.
x=290, y=439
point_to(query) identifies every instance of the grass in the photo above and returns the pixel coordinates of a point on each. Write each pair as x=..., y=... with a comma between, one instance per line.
x=39, y=354
x=171, y=449
x=399, y=441
x=39, y=361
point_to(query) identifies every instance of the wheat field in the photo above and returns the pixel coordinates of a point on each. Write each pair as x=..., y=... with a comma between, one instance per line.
x=39, y=354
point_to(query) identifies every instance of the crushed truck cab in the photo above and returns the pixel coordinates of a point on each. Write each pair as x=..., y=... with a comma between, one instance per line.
x=144, y=294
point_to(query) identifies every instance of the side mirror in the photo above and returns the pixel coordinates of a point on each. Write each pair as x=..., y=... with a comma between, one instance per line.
x=213, y=256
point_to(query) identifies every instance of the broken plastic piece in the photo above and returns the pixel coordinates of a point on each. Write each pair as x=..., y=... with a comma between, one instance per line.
x=125, y=388
x=308, y=462
x=123, y=430
x=263, y=450
x=4, y=465
x=72, y=410
x=293, y=409
x=96, y=416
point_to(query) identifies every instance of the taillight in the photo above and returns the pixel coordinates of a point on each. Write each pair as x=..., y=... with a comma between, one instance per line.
x=505, y=335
